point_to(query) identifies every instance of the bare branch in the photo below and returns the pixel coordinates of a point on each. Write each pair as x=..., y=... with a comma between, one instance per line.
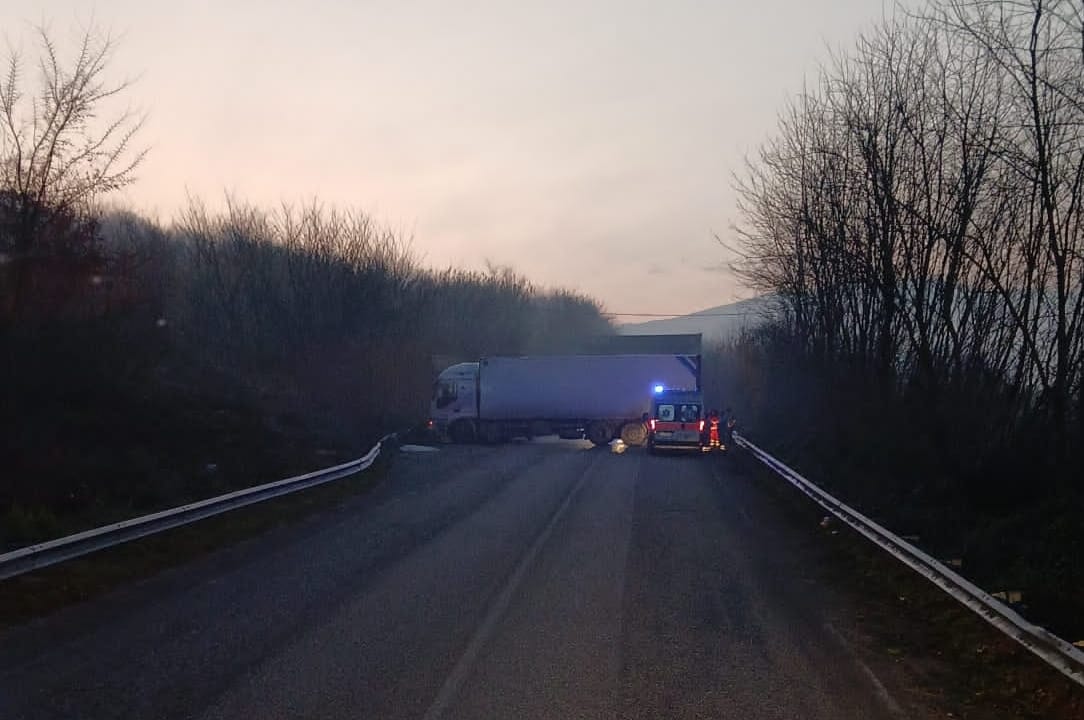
x=56, y=151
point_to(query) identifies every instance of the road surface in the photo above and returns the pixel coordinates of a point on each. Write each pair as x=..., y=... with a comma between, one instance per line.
x=542, y=580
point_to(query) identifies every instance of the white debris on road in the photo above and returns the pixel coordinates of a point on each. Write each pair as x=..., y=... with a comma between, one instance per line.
x=418, y=449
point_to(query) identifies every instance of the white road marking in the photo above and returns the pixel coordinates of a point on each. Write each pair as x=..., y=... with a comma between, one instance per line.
x=454, y=682
x=882, y=692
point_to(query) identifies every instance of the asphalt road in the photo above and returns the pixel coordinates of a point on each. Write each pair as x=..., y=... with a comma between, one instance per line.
x=542, y=580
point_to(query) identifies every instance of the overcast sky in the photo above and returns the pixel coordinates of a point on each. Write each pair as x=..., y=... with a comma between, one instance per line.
x=588, y=144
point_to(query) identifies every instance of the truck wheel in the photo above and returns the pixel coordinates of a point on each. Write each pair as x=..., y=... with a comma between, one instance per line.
x=538, y=429
x=599, y=433
x=461, y=432
x=490, y=433
x=633, y=433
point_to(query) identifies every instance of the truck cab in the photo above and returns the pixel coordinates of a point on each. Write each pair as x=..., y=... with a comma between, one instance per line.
x=677, y=421
x=453, y=411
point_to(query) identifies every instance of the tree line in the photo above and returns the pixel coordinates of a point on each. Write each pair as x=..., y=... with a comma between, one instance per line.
x=238, y=287
x=918, y=212
x=137, y=353
x=917, y=215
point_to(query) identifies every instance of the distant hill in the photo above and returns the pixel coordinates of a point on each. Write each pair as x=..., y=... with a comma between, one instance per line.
x=716, y=324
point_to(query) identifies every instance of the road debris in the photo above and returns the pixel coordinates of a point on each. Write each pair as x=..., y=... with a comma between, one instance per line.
x=418, y=449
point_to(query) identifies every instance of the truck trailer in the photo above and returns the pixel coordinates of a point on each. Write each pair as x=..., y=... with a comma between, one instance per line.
x=600, y=397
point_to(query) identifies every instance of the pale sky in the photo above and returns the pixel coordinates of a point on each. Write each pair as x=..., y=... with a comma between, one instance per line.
x=590, y=145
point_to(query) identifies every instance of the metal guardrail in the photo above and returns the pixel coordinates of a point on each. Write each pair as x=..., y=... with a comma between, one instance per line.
x=1058, y=653
x=42, y=555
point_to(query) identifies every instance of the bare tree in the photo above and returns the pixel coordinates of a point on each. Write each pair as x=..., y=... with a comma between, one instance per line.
x=921, y=212
x=59, y=149
x=1037, y=45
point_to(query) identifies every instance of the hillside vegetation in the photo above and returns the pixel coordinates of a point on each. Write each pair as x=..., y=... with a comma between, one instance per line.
x=918, y=213
x=148, y=364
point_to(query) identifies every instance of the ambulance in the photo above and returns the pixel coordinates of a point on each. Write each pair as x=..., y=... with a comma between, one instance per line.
x=677, y=421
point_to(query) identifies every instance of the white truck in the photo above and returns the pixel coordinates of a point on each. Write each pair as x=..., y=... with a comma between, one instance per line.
x=600, y=397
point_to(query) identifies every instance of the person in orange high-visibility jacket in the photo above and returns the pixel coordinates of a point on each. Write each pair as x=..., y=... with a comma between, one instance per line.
x=713, y=429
